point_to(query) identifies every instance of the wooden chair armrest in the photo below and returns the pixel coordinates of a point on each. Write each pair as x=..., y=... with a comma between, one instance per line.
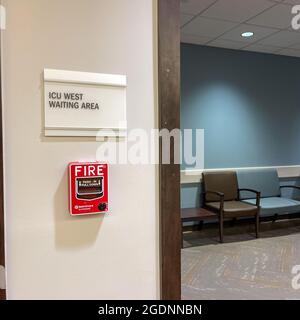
x=258, y=193
x=217, y=193
x=290, y=186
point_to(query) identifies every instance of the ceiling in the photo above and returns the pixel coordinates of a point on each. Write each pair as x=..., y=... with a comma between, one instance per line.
x=219, y=23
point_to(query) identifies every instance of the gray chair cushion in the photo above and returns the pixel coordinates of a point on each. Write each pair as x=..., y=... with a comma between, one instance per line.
x=264, y=180
x=234, y=208
x=276, y=205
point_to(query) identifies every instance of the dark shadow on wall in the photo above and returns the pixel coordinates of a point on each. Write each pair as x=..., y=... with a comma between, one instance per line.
x=73, y=232
x=191, y=195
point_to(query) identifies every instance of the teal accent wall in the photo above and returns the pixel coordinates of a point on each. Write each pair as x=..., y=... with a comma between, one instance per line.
x=248, y=104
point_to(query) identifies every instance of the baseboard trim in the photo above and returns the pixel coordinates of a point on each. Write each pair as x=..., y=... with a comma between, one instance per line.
x=195, y=175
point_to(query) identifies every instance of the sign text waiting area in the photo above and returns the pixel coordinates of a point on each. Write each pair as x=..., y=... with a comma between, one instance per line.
x=67, y=100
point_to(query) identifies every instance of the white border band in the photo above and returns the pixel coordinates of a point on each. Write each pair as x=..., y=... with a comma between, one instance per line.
x=73, y=132
x=195, y=175
x=52, y=75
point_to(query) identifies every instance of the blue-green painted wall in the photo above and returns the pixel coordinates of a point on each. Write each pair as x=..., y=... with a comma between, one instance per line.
x=248, y=103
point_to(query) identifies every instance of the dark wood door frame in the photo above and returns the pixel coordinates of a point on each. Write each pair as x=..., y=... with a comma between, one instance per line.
x=169, y=118
x=2, y=245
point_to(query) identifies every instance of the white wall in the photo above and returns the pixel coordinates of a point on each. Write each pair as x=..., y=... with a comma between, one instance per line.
x=49, y=253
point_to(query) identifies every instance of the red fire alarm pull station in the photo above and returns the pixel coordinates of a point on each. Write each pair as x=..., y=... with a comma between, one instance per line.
x=88, y=188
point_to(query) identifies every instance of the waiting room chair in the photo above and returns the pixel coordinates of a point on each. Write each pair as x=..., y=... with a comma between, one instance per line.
x=221, y=195
x=272, y=201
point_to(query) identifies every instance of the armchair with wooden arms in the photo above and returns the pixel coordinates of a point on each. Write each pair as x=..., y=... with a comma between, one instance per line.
x=221, y=195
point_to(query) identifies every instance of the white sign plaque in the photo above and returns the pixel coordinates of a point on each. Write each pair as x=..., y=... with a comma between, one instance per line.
x=84, y=104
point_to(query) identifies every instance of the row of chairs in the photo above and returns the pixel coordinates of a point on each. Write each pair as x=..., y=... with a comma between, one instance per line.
x=246, y=193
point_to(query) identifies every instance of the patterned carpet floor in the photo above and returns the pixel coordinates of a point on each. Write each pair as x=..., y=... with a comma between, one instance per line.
x=243, y=267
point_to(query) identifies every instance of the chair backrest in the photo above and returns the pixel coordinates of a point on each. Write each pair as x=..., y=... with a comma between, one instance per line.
x=264, y=180
x=221, y=181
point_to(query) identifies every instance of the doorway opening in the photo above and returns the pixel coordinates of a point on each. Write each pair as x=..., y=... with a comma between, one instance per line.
x=239, y=66
x=239, y=63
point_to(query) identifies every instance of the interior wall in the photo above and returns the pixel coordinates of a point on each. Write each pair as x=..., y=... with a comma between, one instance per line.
x=51, y=255
x=247, y=103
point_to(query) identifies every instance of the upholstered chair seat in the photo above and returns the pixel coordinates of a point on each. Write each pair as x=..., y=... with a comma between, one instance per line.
x=235, y=209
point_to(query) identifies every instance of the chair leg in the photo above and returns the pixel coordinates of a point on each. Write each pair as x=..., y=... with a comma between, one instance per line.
x=257, y=225
x=200, y=225
x=233, y=222
x=181, y=235
x=221, y=228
